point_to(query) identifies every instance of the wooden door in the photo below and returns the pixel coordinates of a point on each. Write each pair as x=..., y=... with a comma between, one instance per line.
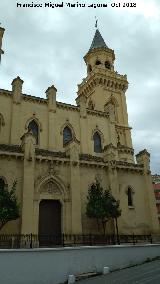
x=49, y=222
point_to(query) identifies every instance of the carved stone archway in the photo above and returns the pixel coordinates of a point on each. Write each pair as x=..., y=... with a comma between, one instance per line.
x=51, y=188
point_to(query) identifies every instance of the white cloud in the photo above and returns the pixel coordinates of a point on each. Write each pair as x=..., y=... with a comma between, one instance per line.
x=46, y=46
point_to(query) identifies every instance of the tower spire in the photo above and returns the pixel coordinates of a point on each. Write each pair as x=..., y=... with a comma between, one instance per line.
x=98, y=40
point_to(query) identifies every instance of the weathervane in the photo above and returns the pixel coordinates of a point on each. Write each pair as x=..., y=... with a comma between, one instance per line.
x=96, y=24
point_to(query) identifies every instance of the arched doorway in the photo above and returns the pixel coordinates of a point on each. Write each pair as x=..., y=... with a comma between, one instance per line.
x=49, y=222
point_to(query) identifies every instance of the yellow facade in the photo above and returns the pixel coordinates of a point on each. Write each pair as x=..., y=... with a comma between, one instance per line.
x=50, y=168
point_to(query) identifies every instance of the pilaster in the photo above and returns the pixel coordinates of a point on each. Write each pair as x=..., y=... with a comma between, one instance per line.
x=16, y=111
x=111, y=156
x=73, y=150
x=112, y=129
x=28, y=146
x=83, y=124
x=51, y=98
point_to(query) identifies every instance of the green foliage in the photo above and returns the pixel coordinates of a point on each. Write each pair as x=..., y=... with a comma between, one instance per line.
x=101, y=205
x=9, y=207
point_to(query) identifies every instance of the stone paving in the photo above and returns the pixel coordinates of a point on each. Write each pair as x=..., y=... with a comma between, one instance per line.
x=147, y=273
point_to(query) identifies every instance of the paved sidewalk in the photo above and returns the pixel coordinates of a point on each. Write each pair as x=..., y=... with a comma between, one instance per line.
x=147, y=273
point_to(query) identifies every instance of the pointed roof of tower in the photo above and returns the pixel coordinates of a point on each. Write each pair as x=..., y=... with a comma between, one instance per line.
x=98, y=41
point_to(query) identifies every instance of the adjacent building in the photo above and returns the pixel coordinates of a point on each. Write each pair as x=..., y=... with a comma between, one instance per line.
x=156, y=187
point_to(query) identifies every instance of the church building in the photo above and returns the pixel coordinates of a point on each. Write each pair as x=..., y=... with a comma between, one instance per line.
x=55, y=151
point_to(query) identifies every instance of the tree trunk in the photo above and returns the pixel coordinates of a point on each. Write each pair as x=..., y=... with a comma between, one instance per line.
x=117, y=233
x=97, y=224
x=104, y=226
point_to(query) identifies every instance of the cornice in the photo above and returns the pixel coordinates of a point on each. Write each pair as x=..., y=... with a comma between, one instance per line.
x=87, y=160
x=29, y=98
x=97, y=113
x=67, y=106
x=125, y=149
x=129, y=166
x=88, y=157
x=108, y=79
x=47, y=153
x=5, y=93
x=120, y=126
x=11, y=151
x=10, y=148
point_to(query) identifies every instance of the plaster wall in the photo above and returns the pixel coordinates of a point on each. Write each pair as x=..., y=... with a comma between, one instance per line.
x=46, y=266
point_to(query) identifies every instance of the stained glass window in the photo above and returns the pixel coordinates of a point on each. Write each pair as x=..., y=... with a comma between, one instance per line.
x=67, y=135
x=97, y=143
x=34, y=128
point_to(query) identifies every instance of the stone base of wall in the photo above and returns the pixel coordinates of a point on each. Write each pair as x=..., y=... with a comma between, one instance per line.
x=45, y=266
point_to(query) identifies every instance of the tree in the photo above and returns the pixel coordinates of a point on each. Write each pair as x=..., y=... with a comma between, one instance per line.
x=115, y=213
x=102, y=206
x=9, y=207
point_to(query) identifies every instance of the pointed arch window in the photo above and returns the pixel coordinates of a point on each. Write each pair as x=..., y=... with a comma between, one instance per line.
x=107, y=65
x=33, y=126
x=89, y=68
x=97, y=143
x=67, y=135
x=130, y=196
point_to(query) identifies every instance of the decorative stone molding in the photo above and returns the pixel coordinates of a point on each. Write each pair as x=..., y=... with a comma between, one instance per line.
x=47, y=153
x=99, y=132
x=97, y=113
x=91, y=105
x=10, y=148
x=50, y=188
x=28, y=145
x=68, y=124
x=88, y=157
x=52, y=169
x=125, y=149
x=108, y=79
x=52, y=185
x=67, y=106
x=36, y=120
x=17, y=90
x=33, y=99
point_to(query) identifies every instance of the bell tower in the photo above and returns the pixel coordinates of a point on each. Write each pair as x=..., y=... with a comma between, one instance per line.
x=1, y=36
x=103, y=91
x=99, y=55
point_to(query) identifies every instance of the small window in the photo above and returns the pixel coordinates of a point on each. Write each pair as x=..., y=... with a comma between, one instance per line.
x=91, y=105
x=97, y=143
x=89, y=68
x=1, y=121
x=67, y=135
x=130, y=197
x=98, y=62
x=107, y=65
x=33, y=126
x=2, y=184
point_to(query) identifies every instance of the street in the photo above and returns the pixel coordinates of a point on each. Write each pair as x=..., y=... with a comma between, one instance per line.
x=142, y=274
